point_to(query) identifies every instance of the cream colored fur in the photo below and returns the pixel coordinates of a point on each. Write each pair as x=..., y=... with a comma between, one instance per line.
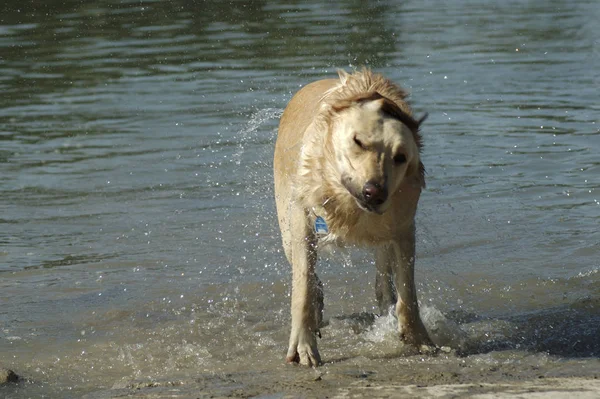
x=335, y=136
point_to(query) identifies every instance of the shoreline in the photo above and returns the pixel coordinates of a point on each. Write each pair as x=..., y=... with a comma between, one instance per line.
x=541, y=388
x=353, y=378
x=583, y=388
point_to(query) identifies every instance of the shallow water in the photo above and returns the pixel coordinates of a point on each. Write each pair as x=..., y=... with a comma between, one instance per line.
x=138, y=238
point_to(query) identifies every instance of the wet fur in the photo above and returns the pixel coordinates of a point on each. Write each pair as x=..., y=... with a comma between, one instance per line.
x=312, y=178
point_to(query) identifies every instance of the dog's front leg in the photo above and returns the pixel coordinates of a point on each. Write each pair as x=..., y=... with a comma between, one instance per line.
x=307, y=296
x=384, y=279
x=410, y=326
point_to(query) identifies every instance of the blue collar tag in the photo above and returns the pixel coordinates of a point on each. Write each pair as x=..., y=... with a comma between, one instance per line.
x=321, y=226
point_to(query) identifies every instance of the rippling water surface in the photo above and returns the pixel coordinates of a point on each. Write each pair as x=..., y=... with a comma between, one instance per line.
x=137, y=230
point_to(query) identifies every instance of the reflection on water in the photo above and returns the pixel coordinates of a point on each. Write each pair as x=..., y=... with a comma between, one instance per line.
x=137, y=228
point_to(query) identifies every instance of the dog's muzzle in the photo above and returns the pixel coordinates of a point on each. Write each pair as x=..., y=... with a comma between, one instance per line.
x=373, y=196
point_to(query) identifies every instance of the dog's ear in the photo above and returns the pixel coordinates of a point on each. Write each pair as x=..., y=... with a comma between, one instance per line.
x=416, y=172
x=422, y=119
x=374, y=105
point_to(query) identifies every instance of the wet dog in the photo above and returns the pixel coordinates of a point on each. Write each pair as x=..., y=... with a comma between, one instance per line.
x=347, y=170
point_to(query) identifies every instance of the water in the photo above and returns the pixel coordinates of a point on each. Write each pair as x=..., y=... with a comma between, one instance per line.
x=138, y=239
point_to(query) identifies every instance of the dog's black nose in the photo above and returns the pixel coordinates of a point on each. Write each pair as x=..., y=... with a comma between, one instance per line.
x=374, y=194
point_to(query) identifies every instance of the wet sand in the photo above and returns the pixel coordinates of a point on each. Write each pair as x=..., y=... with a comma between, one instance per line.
x=421, y=377
x=320, y=387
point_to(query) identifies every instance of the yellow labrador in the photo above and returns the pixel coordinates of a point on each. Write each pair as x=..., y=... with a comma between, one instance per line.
x=347, y=170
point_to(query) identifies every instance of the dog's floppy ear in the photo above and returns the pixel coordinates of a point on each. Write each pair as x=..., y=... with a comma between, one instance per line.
x=374, y=105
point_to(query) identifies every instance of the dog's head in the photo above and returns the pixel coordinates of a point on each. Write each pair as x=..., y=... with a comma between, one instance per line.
x=376, y=148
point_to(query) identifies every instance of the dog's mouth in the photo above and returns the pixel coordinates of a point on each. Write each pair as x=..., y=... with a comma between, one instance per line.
x=365, y=206
x=362, y=202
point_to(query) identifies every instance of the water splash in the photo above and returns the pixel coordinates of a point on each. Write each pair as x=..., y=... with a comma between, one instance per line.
x=248, y=134
x=442, y=331
x=253, y=160
x=384, y=328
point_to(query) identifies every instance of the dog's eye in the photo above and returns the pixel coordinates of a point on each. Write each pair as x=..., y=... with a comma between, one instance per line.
x=359, y=143
x=400, y=159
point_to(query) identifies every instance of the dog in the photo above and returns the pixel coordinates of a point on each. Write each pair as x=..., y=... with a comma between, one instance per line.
x=347, y=169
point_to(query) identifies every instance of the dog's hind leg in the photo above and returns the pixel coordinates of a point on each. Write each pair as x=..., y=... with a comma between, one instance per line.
x=384, y=280
x=307, y=294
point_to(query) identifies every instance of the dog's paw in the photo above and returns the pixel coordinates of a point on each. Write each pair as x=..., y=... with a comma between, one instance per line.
x=303, y=350
x=416, y=335
x=416, y=339
x=304, y=355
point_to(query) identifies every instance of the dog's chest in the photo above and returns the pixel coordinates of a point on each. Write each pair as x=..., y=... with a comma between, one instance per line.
x=322, y=230
x=362, y=231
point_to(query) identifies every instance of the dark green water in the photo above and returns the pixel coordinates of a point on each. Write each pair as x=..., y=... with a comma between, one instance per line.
x=137, y=227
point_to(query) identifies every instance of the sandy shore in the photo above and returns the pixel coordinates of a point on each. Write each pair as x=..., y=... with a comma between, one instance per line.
x=364, y=378
x=348, y=381
x=547, y=388
x=580, y=388
x=501, y=374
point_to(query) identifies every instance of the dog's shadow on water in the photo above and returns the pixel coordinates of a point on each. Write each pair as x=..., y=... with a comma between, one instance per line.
x=571, y=330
